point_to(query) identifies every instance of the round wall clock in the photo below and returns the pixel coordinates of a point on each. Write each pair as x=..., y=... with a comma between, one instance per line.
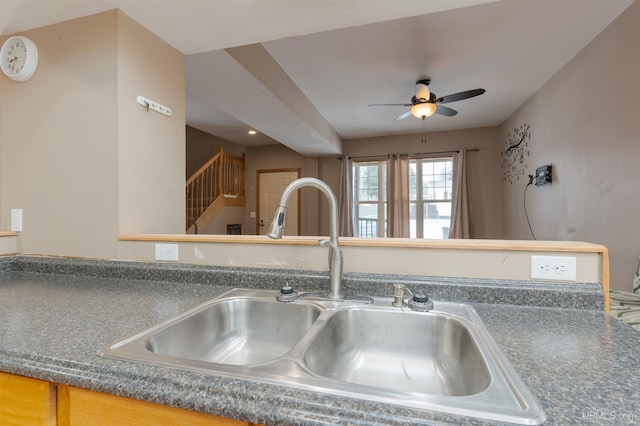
x=19, y=58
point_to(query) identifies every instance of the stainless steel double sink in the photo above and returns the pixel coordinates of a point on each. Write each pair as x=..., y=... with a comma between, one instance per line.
x=443, y=360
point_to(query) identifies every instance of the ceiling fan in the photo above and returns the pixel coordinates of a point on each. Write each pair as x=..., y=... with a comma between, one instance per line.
x=424, y=103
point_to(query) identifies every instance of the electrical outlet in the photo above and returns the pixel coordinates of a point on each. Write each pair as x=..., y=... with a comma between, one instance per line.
x=553, y=268
x=167, y=252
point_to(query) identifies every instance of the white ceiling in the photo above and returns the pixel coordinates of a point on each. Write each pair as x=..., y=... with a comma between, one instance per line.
x=510, y=48
x=334, y=57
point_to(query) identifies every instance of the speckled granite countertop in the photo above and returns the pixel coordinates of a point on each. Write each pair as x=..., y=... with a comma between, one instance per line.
x=581, y=364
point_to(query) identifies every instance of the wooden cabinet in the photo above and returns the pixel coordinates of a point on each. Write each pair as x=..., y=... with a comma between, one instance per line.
x=79, y=407
x=26, y=402
x=31, y=402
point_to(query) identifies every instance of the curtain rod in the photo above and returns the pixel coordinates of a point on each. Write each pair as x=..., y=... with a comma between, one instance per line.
x=415, y=153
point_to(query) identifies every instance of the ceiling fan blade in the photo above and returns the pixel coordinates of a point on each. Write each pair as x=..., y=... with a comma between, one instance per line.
x=403, y=115
x=389, y=105
x=443, y=110
x=460, y=96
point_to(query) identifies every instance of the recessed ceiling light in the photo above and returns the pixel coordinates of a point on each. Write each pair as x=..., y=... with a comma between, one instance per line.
x=252, y=132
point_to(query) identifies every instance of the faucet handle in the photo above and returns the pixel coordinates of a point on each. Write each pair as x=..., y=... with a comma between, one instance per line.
x=420, y=302
x=328, y=243
x=287, y=294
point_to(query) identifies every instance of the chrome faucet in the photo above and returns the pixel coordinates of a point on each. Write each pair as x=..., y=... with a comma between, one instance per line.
x=335, y=254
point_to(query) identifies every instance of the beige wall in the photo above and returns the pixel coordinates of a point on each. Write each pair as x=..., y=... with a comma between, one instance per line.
x=202, y=146
x=3, y=224
x=586, y=122
x=483, y=168
x=229, y=215
x=151, y=145
x=449, y=258
x=8, y=244
x=58, y=141
x=77, y=154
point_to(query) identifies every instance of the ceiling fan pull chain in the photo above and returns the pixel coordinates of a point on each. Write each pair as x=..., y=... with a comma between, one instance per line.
x=424, y=131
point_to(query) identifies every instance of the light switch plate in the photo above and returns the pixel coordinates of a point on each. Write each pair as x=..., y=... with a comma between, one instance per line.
x=16, y=220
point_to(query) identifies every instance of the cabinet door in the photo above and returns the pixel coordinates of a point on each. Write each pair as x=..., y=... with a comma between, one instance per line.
x=26, y=402
x=79, y=407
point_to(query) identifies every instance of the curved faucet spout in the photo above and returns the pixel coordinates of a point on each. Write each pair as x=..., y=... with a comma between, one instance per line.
x=335, y=254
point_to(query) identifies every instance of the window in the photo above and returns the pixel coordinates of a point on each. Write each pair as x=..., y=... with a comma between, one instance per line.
x=369, y=199
x=430, y=187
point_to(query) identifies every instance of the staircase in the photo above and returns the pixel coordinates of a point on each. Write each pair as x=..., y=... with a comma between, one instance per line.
x=218, y=183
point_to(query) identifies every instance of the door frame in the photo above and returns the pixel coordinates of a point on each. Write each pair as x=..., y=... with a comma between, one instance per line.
x=264, y=171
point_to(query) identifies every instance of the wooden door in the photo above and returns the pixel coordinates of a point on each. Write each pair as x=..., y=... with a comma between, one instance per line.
x=271, y=184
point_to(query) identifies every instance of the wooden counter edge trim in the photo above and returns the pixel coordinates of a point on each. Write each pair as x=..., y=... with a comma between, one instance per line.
x=8, y=234
x=514, y=245
x=604, y=279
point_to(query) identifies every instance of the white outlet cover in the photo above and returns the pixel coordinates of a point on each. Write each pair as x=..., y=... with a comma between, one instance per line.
x=558, y=268
x=167, y=252
x=16, y=220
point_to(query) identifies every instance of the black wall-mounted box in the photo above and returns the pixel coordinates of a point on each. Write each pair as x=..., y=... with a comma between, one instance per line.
x=543, y=175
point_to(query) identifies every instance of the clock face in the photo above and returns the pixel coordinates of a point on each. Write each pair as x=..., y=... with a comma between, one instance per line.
x=16, y=57
x=19, y=58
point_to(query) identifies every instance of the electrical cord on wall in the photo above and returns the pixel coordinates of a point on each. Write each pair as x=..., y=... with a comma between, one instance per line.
x=524, y=201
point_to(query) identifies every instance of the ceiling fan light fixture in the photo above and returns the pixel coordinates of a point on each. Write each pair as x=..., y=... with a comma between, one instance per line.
x=423, y=110
x=422, y=91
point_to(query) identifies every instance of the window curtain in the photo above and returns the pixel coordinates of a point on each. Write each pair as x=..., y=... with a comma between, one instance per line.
x=461, y=214
x=345, y=199
x=398, y=196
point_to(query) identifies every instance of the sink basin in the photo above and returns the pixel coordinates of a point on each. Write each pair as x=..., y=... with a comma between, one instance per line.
x=443, y=360
x=400, y=351
x=235, y=332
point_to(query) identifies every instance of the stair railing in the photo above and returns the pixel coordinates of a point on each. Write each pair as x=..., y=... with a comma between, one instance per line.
x=221, y=176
